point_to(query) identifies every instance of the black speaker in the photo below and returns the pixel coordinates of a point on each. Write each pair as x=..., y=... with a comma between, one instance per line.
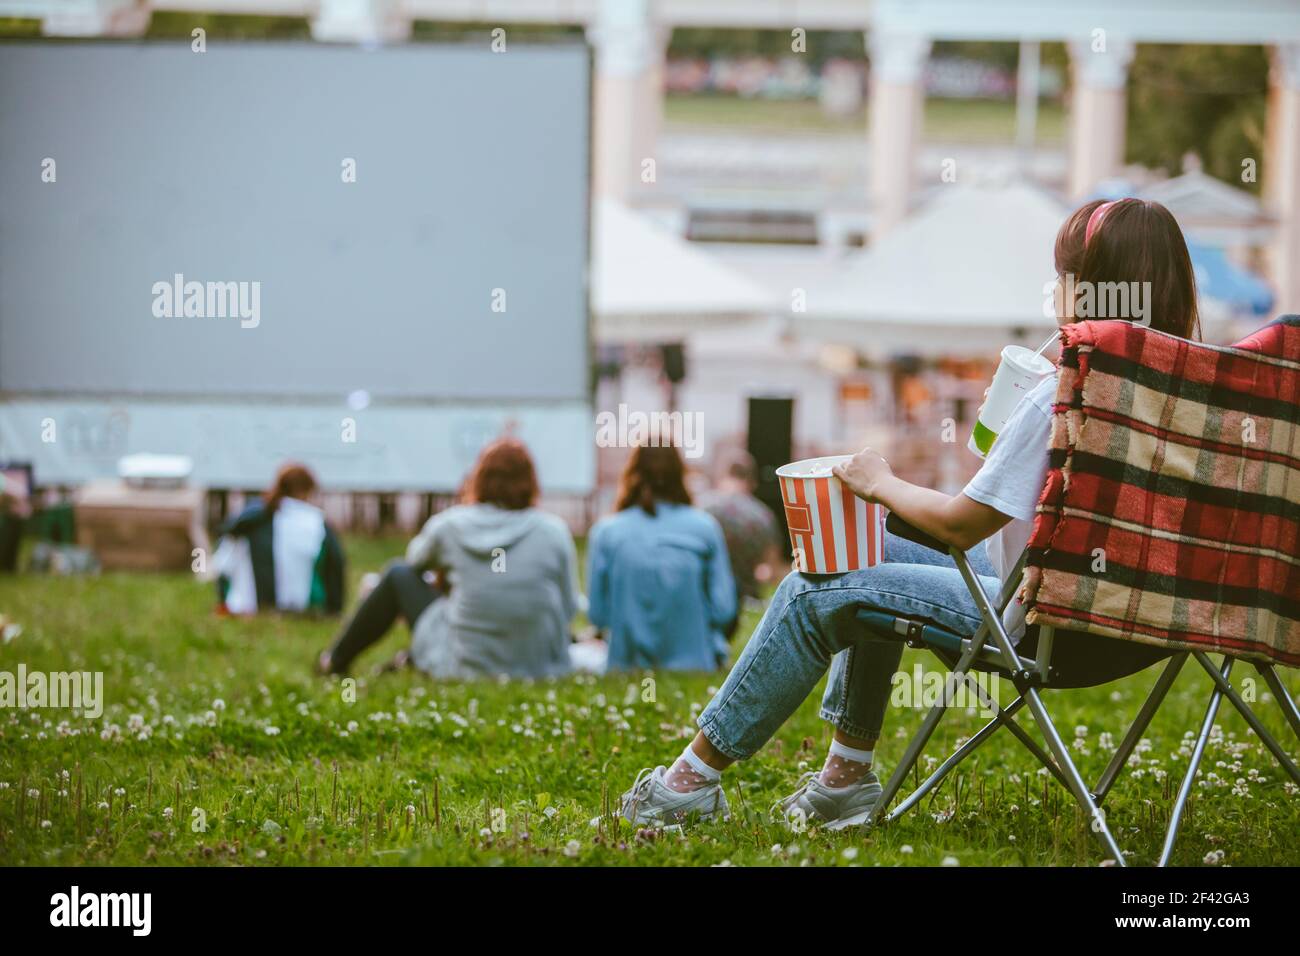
x=771, y=442
x=674, y=360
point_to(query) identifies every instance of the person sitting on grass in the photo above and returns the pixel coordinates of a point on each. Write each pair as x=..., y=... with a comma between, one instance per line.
x=660, y=579
x=280, y=553
x=504, y=588
x=812, y=622
x=749, y=528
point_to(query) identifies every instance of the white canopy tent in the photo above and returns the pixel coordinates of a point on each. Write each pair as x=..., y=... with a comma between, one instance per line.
x=649, y=285
x=1212, y=211
x=969, y=272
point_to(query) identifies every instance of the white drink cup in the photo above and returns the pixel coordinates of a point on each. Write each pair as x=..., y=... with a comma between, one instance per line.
x=1018, y=372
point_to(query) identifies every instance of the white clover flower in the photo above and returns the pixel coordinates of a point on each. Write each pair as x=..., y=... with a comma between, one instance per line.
x=272, y=731
x=850, y=853
x=218, y=704
x=906, y=849
x=950, y=861
x=572, y=848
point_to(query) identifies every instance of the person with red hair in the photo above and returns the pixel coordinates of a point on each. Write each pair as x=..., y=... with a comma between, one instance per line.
x=507, y=583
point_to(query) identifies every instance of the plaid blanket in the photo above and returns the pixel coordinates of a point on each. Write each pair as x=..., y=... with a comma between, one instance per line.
x=1171, y=514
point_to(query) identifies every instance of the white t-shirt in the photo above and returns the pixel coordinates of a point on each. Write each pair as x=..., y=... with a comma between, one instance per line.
x=1011, y=480
x=297, y=533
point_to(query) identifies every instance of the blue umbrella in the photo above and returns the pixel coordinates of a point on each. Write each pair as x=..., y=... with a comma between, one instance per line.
x=1219, y=278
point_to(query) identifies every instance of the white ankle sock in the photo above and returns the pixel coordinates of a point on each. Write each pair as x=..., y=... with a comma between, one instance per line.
x=689, y=772
x=848, y=753
x=844, y=765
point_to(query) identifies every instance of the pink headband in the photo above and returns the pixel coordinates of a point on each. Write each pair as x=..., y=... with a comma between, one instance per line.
x=1095, y=220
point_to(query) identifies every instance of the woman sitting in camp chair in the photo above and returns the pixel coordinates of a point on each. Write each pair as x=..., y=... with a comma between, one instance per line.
x=812, y=622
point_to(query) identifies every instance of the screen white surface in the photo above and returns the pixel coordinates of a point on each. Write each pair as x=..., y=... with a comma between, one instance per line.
x=226, y=166
x=471, y=191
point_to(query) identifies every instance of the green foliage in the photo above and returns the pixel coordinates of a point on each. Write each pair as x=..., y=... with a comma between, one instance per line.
x=822, y=45
x=1207, y=100
x=19, y=27
x=179, y=24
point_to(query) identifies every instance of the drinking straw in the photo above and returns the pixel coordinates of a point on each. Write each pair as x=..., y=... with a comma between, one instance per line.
x=1050, y=339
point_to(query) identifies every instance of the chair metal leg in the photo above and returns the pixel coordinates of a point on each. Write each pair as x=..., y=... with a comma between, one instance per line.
x=1055, y=744
x=926, y=731
x=1230, y=692
x=1284, y=698
x=1140, y=724
x=1074, y=779
x=1029, y=743
x=904, y=765
x=1198, y=751
x=956, y=757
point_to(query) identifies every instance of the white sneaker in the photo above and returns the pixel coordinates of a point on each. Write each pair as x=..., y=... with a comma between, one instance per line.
x=652, y=802
x=833, y=807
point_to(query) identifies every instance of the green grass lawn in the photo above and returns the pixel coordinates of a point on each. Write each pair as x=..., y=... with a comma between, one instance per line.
x=945, y=121
x=227, y=717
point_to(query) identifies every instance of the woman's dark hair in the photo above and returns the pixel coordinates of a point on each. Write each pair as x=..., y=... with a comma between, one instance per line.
x=293, y=480
x=1068, y=252
x=1133, y=240
x=503, y=476
x=653, y=473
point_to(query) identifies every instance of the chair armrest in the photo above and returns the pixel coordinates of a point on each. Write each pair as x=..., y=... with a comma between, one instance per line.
x=896, y=525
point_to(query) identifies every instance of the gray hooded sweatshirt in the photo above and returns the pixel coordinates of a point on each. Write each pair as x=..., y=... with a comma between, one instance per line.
x=514, y=589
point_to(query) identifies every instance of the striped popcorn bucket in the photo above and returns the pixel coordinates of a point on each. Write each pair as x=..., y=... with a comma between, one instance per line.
x=831, y=529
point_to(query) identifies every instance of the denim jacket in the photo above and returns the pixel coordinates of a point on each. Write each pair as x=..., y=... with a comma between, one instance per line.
x=661, y=585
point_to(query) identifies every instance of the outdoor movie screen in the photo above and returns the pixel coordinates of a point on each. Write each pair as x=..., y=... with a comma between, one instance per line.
x=294, y=220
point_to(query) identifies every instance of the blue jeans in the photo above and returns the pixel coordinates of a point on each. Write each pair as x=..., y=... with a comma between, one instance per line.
x=812, y=623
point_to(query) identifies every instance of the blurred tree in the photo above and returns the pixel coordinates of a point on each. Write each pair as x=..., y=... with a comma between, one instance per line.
x=428, y=31
x=19, y=27
x=1207, y=100
x=1003, y=54
x=822, y=45
x=176, y=24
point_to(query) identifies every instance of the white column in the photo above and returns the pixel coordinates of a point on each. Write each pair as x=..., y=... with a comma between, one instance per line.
x=894, y=115
x=1028, y=71
x=1098, y=109
x=360, y=21
x=1281, y=174
x=98, y=18
x=627, y=100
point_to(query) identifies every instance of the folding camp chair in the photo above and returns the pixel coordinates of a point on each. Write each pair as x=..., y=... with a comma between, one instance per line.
x=1147, y=389
x=1050, y=658
x=1046, y=658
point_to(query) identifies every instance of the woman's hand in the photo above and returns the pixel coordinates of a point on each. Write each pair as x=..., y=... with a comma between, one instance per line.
x=863, y=473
